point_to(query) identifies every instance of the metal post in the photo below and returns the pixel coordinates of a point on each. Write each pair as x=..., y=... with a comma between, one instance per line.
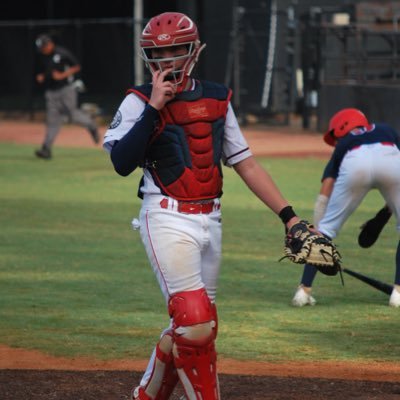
x=235, y=48
x=137, y=30
x=271, y=55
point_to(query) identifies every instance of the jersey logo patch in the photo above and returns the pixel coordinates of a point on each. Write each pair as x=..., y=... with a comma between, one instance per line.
x=116, y=120
x=198, y=111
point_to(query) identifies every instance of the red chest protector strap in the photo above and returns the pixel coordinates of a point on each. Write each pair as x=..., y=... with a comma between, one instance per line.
x=185, y=151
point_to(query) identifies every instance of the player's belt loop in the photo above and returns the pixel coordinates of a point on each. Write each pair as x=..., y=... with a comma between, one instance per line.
x=187, y=207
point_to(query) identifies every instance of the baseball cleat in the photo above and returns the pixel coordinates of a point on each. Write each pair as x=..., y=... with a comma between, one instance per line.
x=302, y=298
x=44, y=153
x=371, y=229
x=394, y=298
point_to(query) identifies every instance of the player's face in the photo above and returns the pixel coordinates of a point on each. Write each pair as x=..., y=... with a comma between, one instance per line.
x=47, y=48
x=173, y=56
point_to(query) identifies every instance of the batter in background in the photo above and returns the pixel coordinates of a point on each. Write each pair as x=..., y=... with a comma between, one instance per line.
x=58, y=68
x=366, y=157
x=180, y=130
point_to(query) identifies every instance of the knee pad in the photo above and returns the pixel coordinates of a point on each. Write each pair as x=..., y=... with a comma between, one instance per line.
x=193, y=316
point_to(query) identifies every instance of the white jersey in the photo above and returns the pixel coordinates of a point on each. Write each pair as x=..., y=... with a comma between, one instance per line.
x=234, y=148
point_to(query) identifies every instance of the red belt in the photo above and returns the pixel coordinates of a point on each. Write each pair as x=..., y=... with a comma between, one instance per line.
x=187, y=207
x=387, y=143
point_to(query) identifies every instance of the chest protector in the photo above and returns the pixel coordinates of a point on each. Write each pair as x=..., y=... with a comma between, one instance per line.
x=184, y=152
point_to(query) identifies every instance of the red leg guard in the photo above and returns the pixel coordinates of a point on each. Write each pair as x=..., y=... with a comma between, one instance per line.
x=164, y=376
x=194, y=325
x=139, y=394
x=170, y=378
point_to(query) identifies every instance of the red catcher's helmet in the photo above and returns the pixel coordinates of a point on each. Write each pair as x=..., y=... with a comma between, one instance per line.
x=171, y=29
x=343, y=122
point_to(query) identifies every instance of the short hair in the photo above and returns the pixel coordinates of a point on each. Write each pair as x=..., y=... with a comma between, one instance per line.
x=42, y=40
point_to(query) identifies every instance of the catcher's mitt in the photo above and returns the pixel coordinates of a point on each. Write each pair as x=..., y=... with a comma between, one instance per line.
x=303, y=245
x=371, y=229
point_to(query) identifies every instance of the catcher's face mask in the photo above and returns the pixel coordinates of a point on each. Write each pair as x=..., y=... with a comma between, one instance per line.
x=175, y=57
x=171, y=40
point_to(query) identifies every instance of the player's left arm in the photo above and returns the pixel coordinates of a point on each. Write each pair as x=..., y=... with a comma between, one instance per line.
x=322, y=199
x=328, y=179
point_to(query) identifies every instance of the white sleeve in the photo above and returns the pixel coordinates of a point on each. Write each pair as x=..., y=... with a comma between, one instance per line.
x=319, y=208
x=124, y=119
x=235, y=147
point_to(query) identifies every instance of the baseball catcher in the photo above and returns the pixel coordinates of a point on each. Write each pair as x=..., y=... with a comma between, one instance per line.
x=372, y=228
x=181, y=131
x=304, y=245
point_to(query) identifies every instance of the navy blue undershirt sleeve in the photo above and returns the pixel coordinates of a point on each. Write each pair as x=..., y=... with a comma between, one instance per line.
x=332, y=168
x=328, y=171
x=129, y=152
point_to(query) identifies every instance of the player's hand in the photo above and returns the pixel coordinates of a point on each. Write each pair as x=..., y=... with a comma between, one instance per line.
x=163, y=91
x=40, y=78
x=57, y=75
x=291, y=222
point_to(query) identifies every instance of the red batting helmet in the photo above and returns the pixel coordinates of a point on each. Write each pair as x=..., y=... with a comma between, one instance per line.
x=171, y=29
x=343, y=122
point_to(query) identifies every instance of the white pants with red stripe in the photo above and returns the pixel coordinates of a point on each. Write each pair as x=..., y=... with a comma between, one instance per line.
x=372, y=166
x=184, y=250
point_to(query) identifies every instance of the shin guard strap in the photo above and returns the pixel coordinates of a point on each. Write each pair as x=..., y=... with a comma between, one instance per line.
x=163, y=379
x=198, y=365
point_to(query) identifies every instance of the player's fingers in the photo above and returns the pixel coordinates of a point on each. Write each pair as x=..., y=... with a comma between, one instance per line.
x=169, y=85
x=170, y=88
x=156, y=74
x=164, y=73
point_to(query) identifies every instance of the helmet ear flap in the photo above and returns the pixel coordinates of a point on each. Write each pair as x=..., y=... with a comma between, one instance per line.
x=330, y=138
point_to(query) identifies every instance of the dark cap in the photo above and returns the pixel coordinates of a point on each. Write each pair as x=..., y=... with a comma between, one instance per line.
x=42, y=40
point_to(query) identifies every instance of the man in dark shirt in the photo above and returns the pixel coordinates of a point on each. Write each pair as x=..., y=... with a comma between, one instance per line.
x=57, y=73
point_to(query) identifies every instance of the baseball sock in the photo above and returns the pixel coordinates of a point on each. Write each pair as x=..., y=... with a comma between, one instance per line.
x=309, y=275
x=397, y=275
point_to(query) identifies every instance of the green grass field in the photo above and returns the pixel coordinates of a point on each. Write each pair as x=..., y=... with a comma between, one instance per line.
x=74, y=279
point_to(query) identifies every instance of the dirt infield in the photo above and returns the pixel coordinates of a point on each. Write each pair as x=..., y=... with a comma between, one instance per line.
x=27, y=374
x=32, y=375
x=277, y=141
x=116, y=385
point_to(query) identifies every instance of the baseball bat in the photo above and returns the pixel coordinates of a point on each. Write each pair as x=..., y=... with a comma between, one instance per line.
x=382, y=286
